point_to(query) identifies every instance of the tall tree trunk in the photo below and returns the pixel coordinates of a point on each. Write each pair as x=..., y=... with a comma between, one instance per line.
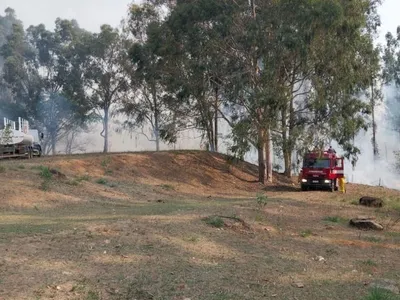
x=264, y=136
x=210, y=137
x=374, y=126
x=53, y=143
x=105, y=129
x=210, y=129
x=285, y=142
x=287, y=156
x=68, y=145
x=291, y=139
x=156, y=118
x=262, y=163
x=288, y=145
x=157, y=131
x=216, y=120
x=268, y=155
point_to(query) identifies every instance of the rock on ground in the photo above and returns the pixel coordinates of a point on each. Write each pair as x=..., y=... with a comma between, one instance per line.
x=371, y=201
x=365, y=223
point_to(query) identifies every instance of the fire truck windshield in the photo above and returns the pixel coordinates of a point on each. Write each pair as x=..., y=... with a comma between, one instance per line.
x=317, y=163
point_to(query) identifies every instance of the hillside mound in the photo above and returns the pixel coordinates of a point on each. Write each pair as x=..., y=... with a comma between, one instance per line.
x=146, y=176
x=194, y=171
x=118, y=176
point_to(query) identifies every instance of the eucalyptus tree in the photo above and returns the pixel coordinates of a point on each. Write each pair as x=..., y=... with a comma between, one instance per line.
x=106, y=82
x=288, y=71
x=44, y=69
x=148, y=107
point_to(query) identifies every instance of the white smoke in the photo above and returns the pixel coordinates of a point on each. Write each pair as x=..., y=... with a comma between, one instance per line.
x=381, y=171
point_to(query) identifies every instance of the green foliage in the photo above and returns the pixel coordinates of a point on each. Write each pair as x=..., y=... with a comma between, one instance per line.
x=46, y=175
x=214, y=221
x=102, y=181
x=107, y=74
x=334, y=219
x=369, y=262
x=43, y=70
x=373, y=239
x=6, y=135
x=306, y=233
x=262, y=200
x=212, y=47
x=293, y=72
x=167, y=187
x=78, y=180
x=92, y=295
x=381, y=294
x=45, y=172
x=2, y=169
x=106, y=162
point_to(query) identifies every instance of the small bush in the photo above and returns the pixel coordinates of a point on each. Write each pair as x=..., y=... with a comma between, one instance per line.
x=306, y=233
x=167, y=187
x=381, y=294
x=262, y=200
x=91, y=295
x=105, y=162
x=102, y=181
x=2, y=169
x=369, y=262
x=45, y=172
x=214, y=221
x=21, y=167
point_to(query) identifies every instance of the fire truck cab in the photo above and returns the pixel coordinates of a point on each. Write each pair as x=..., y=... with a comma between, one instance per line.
x=321, y=170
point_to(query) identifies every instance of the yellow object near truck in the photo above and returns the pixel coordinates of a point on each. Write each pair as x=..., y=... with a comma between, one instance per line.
x=342, y=184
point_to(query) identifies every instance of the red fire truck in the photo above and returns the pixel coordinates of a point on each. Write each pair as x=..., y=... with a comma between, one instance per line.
x=321, y=170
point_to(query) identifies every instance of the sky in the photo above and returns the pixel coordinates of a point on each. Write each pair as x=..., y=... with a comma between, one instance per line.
x=91, y=14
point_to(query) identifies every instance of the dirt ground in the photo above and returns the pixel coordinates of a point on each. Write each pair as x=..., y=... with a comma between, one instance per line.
x=144, y=226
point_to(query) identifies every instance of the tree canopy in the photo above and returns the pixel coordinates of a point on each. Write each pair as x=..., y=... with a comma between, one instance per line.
x=286, y=75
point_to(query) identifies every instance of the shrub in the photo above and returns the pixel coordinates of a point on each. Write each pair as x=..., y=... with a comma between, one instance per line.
x=101, y=181
x=45, y=172
x=262, y=200
x=214, y=221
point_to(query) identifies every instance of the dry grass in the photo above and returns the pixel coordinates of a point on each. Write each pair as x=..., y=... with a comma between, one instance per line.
x=143, y=235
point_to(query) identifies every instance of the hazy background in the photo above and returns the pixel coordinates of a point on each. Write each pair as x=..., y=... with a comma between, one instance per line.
x=91, y=14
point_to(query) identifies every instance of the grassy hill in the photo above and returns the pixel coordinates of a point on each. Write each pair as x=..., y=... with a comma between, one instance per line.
x=184, y=225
